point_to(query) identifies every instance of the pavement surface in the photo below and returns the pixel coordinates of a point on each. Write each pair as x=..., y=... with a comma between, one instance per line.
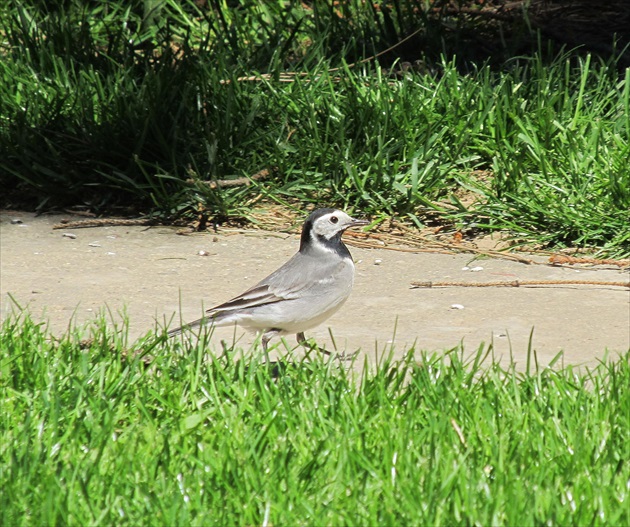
x=156, y=276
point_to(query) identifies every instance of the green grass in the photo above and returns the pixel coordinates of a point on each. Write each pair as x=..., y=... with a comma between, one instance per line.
x=126, y=103
x=88, y=437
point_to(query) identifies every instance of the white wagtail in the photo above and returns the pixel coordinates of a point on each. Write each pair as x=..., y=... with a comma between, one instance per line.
x=301, y=294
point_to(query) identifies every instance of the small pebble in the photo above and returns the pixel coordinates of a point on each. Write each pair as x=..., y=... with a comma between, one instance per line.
x=94, y=244
x=476, y=269
x=378, y=261
x=203, y=253
x=69, y=235
x=111, y=254
x=457, y=306
x=16, y=221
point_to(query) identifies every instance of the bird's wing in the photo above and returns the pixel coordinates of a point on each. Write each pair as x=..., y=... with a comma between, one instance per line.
x=268, y=291
x=258, y=295
x=293, y=280
x=285, y=283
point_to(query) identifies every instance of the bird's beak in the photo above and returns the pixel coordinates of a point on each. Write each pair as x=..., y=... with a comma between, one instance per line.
x=357, y=223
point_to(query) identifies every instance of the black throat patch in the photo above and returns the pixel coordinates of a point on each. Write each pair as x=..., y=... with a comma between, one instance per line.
x=333, y=244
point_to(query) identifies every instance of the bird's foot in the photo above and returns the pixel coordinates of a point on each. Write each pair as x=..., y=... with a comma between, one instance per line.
x=343, y=356
x=346, y=357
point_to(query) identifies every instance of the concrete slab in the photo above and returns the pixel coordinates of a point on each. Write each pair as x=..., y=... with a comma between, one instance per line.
x=146, y=271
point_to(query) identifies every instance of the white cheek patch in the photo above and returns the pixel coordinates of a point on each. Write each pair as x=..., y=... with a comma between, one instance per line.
x=320, y=229
x=324, y=227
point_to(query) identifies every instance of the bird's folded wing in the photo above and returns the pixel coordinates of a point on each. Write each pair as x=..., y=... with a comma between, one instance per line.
x=258, y=295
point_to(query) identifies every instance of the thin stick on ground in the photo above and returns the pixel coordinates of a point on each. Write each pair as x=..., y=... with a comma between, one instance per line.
x=516, y=283
x=103, y=222
x=561, y=259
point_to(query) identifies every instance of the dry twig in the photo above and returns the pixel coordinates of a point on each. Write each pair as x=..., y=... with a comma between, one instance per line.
x=516, y=283
x=102, y=222
x=238, y=182
x=292, y=76
x=561, y=259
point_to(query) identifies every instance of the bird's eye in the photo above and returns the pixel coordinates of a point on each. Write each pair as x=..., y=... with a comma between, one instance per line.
x=334, y=219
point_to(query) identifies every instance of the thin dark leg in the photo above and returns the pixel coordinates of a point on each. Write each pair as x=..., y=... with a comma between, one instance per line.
x=267, y=336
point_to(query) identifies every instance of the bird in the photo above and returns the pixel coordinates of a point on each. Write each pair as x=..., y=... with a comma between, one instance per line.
x=304, y=292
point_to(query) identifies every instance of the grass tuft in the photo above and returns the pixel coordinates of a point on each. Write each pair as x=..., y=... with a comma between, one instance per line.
x=143, y=103
x=90, y=435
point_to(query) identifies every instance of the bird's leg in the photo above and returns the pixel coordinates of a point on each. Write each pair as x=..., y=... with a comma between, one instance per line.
x=267, y=336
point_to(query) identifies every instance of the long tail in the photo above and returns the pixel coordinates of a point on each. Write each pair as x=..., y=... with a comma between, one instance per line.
x=212, y=317
x=190, y=325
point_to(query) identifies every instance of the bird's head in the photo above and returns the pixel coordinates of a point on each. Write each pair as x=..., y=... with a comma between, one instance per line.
x=324, y=227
